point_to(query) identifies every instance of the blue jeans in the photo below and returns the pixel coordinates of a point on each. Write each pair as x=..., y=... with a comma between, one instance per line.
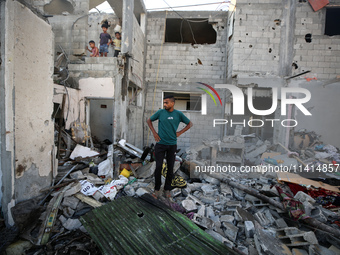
x=104, y=48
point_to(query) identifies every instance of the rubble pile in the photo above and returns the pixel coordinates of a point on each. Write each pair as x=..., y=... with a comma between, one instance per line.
x=254, y=211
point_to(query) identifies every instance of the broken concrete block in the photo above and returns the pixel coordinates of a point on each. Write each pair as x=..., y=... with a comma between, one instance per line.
x=189, y=205
x=176, y=192
x=83, y=152
x=211, y=180
x=195, y=199
x=237, y=216
x=209, y=212
x=280, y=223
x=62, y=219
x=218, y=205
x=70, y=202
x=267, y=244
x=216, y=219
x=226, y=190
x=208, y=199
x=195, y=186
x=232, y=205
x=296, y=251
x=141, y=191
x=249, y=229
x=317, y=213
x=186, y=191
x=73, y=189
x=77, y=175
x=72, y=224
x=302, y=197
x=257, y=152
x=203, y=221
x=201, y=211
x=308, y=207
x=269, y=190
x=239, y=194
x=220, y=238
x=242, y=249
x=249, y=148
x=334, y=249
x=208, y=190
x=262, y=218
x=269, y=216
x=230, y=231
x=320, y=250
x=68, y=212
x=227, y=218
x=245, y=215
x=293, y=237
x=254, y=200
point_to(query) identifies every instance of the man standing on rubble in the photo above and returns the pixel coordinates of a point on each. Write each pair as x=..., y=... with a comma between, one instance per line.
x=166, y=138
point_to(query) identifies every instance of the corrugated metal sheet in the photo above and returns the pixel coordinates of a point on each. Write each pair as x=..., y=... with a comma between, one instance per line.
x=318, y=4
x=145, y=226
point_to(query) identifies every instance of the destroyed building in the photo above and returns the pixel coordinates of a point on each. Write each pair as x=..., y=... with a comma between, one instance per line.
x=289, y=44
x=57, y=104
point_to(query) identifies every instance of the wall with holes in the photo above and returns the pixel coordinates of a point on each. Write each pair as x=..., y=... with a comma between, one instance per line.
x=177, y=67
x=257, y=36
x=315, y=51
x=175, y=62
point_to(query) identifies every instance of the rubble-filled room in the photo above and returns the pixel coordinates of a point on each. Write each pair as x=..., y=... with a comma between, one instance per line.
x=169, y=127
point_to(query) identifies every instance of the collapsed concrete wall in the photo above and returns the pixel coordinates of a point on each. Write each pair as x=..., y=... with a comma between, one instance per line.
x=180, y=53
x=27, y=143
x=277, y=40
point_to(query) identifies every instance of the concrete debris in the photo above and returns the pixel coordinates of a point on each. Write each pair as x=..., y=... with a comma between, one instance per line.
x=71, y=202
x=230, y=231
x=189, y=205
x=72, y=224
x=249, y=229
x=242, y=210
x=82, y=152
x=203, y=222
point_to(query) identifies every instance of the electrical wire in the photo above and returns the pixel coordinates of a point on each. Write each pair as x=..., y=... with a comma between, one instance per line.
x=184, y=6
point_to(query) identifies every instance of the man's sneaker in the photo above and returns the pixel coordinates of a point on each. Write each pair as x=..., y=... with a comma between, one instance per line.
x=157, y=194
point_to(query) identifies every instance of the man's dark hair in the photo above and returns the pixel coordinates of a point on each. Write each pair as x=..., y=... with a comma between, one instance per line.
x=105, y=25
x=171, y=97
x=91, y=41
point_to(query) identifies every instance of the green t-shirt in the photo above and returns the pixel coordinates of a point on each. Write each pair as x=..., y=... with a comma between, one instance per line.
x=168, y=124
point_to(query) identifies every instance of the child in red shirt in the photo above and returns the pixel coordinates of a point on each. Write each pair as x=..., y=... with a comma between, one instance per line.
x=94, y=50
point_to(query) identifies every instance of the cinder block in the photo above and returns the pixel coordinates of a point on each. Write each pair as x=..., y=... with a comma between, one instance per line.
x=249, y=229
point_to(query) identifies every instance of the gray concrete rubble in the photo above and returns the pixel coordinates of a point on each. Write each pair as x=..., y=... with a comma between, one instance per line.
x=243, y=210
